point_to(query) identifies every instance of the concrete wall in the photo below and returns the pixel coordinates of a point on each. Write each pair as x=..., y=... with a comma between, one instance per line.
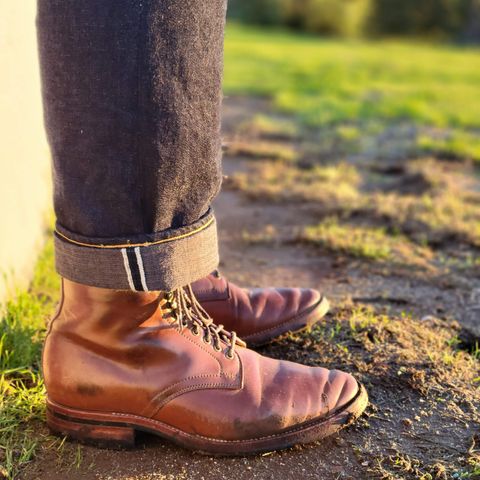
x=24, y=156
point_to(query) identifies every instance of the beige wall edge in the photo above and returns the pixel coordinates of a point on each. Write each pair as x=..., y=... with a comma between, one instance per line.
x=24, y=155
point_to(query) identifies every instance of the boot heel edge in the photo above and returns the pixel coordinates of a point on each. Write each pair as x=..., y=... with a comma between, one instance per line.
x=91, y=433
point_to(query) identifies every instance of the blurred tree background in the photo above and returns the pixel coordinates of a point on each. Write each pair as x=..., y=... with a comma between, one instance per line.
x=436, y=19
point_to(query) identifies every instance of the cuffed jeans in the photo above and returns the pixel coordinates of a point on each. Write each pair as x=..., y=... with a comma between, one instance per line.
x=132, y=94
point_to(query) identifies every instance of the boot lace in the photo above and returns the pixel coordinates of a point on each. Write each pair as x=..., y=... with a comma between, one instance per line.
x=182, y=307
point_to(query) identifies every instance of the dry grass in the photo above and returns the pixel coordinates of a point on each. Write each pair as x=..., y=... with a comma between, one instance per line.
x=428, y=201
x=263, y=151
x=332, y=186
x=409, y=219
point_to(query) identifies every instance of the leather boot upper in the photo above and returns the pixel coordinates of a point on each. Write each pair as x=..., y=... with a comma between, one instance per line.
x=255, y=314
x=130, y=352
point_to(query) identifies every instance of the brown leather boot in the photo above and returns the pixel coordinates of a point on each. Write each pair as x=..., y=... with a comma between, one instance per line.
x=117, y=362
x=262, y=314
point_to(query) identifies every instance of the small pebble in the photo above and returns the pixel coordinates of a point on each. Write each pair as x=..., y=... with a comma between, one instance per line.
x=407, y=422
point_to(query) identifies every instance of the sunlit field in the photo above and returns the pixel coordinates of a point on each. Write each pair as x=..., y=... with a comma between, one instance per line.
x=367, y=85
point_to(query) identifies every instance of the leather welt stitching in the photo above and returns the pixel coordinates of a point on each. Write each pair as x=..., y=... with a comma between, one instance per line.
x=167, y=399
x=193, y=377
x=303, y=426
x=192, y=388
x=155, y=407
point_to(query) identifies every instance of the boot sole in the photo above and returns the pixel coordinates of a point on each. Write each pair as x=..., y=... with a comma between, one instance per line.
x=304, y=320
x=118, y=430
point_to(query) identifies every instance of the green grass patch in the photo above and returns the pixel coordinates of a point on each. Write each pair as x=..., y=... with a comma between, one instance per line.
x=22, y=328
x=455, y=144
x=357, y=241
x=368, y=242
x=332, y=81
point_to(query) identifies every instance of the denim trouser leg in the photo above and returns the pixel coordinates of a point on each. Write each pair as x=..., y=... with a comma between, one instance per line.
x=132, y=93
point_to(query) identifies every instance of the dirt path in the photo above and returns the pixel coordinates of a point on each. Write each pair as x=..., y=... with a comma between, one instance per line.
x=423, y=417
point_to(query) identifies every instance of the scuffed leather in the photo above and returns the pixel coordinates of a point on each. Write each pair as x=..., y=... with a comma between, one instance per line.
x=117, y=352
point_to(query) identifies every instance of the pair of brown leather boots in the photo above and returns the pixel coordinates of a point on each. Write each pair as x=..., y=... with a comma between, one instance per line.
x=118, y=362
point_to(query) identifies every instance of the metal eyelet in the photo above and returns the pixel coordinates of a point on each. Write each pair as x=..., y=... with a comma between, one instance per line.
x=229, y=355
x=217, y=348
x=207, y=341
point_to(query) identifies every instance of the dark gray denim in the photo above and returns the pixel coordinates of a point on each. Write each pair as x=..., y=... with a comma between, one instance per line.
x=132, y=94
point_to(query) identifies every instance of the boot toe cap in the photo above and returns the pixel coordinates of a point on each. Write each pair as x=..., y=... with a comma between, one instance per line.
x=340, y=389
x=309, y=297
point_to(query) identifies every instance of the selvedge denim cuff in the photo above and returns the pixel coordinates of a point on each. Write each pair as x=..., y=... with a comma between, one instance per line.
x=162, y=261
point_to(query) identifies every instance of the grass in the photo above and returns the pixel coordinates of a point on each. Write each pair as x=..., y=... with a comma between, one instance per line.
x=22, y=328
x=453, y=144
x=415, y=368
x=387, y=173
x=263, y=151
x=329, y=185
x=356, y=91
x=423, y=198
x=371, y=243
x=270, y=128
x=368, y=126
x=394, y=253
x=329, y=81
x=432, y=218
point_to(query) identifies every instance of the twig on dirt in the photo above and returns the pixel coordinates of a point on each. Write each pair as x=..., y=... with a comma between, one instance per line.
x=473, y=442
x=379, y=418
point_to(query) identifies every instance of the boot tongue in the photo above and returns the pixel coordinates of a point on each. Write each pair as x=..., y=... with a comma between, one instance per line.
x=210, y=288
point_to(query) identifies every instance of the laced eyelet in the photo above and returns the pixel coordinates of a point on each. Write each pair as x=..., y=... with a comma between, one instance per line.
x=187, y=312
x=195, y=331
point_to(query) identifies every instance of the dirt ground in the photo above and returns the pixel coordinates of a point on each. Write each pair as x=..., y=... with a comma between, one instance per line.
x=404, y=322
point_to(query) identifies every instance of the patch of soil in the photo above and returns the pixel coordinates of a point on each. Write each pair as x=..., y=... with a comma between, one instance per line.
x=403, y=337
